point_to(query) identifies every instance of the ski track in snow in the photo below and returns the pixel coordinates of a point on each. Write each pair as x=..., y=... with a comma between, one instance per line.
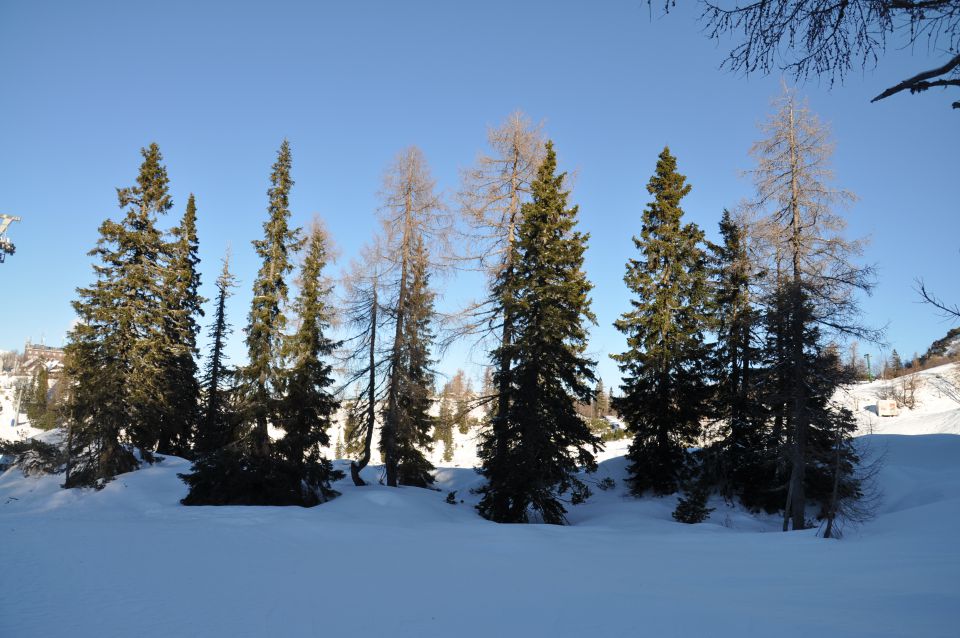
x=130, y=561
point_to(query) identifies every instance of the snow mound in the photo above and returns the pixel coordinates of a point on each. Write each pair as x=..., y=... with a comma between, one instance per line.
x=936, y=410
x=130, y=560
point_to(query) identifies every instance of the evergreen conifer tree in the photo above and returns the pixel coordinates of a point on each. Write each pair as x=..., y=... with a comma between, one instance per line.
x=34, y=400
x=601, y=402
x=413, y=219
x=664, y=389
x=250, y=470
x=116, y=349
x=262, y=376
x=216, y=425
x=734, y=364
x=443, y=430
x=414, y=377
x=896, y=364
x=812, y=284
x=182, y=305
x=308, y=404
x=541, y=442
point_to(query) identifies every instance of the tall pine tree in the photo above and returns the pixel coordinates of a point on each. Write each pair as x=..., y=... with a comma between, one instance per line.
x=182, y=306
x=812, y=288
x=116, y=349
x=537, y=447
x=734, y=364
x=308, y=404
x=664, y=388
x=216, y=426
x=250, y=470
x=262, y=380
x=414, y=377
x=413, y=219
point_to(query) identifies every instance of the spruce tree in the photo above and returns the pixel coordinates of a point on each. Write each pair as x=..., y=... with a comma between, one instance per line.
x=601, y=402
x=144, y=290
x=413, y=220
x=535, y=450
x=415, y=378
x=262, y=376
x=443, y=431
x=812, y=288
x=182, y=306
x=116, y=349
x=216, y=425
x=249, y=470
x=34, y=400
x=896, y=364
x=309, y=404
x=664, y=388
x=734, y=365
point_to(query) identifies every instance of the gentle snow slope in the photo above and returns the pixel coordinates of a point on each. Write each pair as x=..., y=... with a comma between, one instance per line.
x=130, y=561
x=937, y=409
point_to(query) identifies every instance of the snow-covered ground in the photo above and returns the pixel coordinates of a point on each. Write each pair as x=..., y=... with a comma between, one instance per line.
x=11, y=427
x=937, y=393
x=130, y=561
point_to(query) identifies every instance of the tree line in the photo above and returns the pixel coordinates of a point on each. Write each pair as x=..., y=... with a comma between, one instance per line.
x=729, y=346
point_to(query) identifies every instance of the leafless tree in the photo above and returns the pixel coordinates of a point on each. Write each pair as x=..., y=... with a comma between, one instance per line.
x=491, y=197
x=815, y=280
x=947, y=310
x=414, y=224
x=829, y=38
x=365, y=363
x=842, y=512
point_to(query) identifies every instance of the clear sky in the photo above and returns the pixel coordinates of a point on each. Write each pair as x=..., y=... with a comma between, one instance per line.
x=84, y=85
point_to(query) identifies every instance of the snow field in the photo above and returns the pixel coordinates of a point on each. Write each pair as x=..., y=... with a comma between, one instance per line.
x=131, y=561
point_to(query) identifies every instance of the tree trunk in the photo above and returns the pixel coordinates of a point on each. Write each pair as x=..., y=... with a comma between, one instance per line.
x=390, y=423
x=356, y=466
x=832, y=509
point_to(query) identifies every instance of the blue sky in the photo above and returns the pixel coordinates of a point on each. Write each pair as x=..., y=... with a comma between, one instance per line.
x=218, y=85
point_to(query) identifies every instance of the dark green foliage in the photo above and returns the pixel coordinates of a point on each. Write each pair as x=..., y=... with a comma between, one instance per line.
x=217, y=422
x=36, y=402
x=247, y=468
x=181, y=306
x=353, y=433
x=692, y=506
x=308, y=405
x=734, y=366
x=664, y=390
x=451, y=498
x=33, y=456
x=262, y=377
x=534, y=450
x=414, y=377
x=117, y=347
x=601, y=401
x=235, y=476
x=896, y=365
x=443, y=430
x=795, y=346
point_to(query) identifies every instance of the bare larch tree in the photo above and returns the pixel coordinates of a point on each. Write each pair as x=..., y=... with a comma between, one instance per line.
x=814, y=281
x=491, y=195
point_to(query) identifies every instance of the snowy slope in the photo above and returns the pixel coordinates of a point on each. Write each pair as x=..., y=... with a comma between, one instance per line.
x=12, y=429
x=937, y=410
x=129, y=560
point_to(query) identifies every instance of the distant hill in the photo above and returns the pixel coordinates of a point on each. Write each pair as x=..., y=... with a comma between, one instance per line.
x=946, y=347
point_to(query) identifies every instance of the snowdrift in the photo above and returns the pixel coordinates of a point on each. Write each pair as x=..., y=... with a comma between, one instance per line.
x=129, y=560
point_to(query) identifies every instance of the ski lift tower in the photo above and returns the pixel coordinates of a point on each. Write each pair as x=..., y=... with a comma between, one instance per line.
x=6, y=246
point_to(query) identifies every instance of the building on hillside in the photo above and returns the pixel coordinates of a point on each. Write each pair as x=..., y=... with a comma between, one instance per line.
x=35, y=355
